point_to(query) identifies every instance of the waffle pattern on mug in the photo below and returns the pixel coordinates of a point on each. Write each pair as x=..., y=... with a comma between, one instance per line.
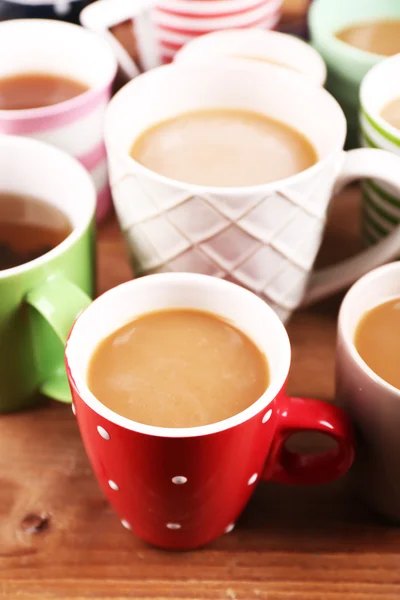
x=179, y=21
x=251, y=239
x=381, y=206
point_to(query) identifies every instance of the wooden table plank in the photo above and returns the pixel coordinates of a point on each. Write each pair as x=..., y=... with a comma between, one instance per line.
x=60, y=540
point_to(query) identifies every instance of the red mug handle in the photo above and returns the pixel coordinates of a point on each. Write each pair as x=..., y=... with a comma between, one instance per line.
x=303, y=414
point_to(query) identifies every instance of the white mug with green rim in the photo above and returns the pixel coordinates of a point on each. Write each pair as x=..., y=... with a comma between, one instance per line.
x=381, y=202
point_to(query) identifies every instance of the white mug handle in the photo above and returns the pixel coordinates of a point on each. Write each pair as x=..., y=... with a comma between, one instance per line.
x=103, y=14
x=358, y=164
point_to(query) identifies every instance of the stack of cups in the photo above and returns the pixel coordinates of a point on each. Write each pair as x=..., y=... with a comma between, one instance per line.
x=180, y=21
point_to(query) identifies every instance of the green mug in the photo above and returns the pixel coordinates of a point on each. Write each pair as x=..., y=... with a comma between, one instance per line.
x=346, y=64
x=381, y=203
x=41, y=298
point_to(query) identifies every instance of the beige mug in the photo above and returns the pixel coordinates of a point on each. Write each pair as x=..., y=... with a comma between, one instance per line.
x=373, y=404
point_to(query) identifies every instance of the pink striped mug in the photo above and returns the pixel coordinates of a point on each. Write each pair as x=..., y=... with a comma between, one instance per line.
x=76, y=125
x=154, y=30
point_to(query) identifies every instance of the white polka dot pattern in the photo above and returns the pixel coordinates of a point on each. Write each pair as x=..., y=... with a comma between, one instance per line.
x=267, y=416
x=252, y=479
x=125, y=524
x=73, y=408
x=179, y=479
x=104, y=434
x=113, y=485
x=174, y=526
x=230, y=528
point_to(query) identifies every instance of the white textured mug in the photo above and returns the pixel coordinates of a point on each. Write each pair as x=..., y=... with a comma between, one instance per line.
x=258, y=45
x=265, y=237
x=373, y=404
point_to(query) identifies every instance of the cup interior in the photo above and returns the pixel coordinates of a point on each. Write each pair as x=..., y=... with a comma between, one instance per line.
x=379, y=87
x=257, y=44
x=54, y=47
x=328, y=17
x=171, y=90
x=124, y=303
x=378, y=286
x=36, y=169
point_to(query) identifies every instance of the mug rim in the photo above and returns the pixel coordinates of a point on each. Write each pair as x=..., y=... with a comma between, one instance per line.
x=366, y=83
x=224, y=190
x=276, y=381
x=317, y=23
x=60, y=107
x=77, y=230
x=344, y=333
x=200, y=48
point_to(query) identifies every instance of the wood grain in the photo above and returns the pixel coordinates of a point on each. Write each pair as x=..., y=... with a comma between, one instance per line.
x=60, y=540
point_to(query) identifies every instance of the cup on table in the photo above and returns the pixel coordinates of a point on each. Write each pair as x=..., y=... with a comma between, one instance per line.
x=265, y=237
x=381, y=203
x=270, y=47
x=346, y=64
x=75, y=125
x=63, y=10
x=40, y=299
x=147, y=33
x=180, y=488
x=373, y=403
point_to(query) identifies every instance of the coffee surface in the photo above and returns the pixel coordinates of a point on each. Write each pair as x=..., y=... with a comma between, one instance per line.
x=391, y=113
x=29, y=228
x=34, y=90
x=377, y=340
x=178, y=368
x=380, y=37
x=223, y=147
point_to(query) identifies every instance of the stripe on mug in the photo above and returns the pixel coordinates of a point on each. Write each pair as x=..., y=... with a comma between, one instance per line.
x=79, y=137
x=35, y=121
x=90, y=160
x=263, y=23
x=222, y=13
x=170, y=24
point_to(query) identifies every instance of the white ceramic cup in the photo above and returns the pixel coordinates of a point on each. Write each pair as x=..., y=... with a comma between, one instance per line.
x=373, y=403
x=161, y=27
x=255, y=44
x=76, y=125
x=265, y=237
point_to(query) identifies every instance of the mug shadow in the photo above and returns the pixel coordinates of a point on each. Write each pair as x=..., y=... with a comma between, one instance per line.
x=328, y=518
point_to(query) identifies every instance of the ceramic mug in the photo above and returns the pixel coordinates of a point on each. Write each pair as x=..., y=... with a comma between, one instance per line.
x=346, y=64
x=76, y=126
x=160, y=28
x=255, y=44
x=373, y=403
x=65, y=10
x=381, y=203
x=265, y=237
x=41, y=298
x=181, y=488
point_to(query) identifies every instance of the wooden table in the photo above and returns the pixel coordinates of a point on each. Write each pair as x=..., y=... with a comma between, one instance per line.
x=59, y=539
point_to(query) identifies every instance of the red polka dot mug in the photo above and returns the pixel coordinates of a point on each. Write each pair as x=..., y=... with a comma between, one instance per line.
x=181, y=488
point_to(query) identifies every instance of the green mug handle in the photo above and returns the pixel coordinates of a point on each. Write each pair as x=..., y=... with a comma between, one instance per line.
x=59, y=302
